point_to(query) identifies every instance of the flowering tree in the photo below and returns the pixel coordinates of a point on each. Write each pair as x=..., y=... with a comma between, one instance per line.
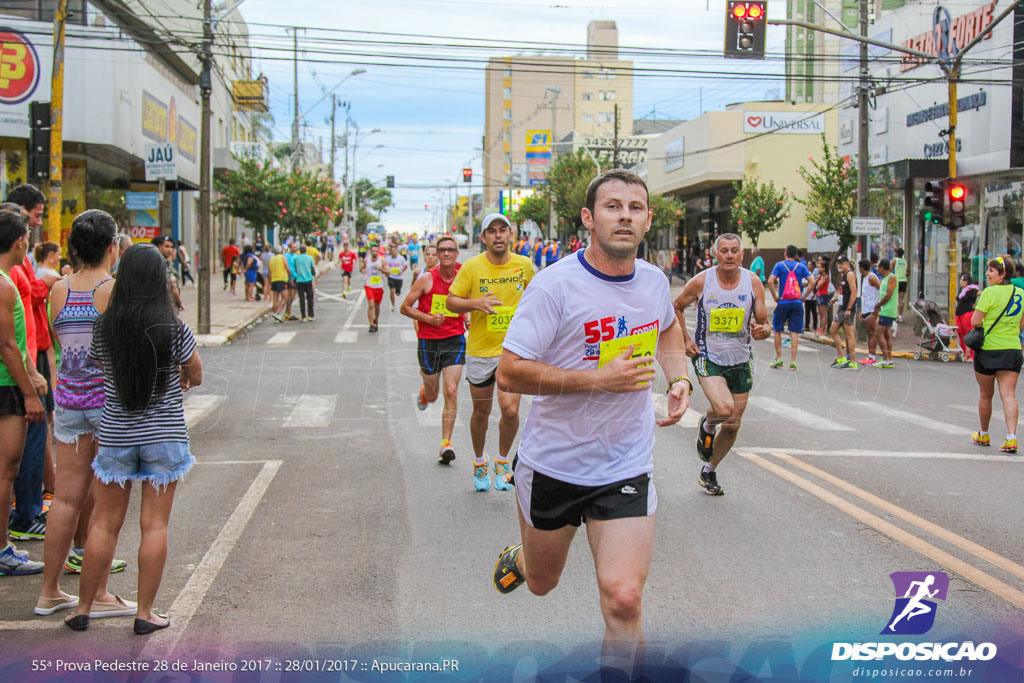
x=832, y=199
x=759, y=207
x=253, y=193
x=312, y=203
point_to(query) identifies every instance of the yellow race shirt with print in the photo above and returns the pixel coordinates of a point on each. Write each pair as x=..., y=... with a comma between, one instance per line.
x=477, y=278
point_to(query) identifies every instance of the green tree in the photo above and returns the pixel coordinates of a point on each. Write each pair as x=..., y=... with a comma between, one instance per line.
x=110, y=200
x=759, y=207
x=255, y=193
x=832, y=199
x=667, y=212
x=534, y=208
x=568, y=179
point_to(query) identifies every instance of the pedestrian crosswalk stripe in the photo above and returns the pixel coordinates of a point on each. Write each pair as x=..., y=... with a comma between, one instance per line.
x=408, y=335
x=346, y=337
x=312, y=410
x=281, y=338
x=777, y=409
x=911, y=418
x=198, y=406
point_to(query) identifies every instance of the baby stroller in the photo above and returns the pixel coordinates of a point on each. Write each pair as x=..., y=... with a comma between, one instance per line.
x=936, y=336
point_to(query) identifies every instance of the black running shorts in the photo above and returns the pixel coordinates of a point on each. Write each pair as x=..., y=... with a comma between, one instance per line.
x=395, y=283
x=549, y=504
x=990, y=362
x=12, y=402
x=435, y=355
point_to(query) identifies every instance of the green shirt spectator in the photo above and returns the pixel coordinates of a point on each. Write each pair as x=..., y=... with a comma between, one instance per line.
x=993, y=301
x=757, y=265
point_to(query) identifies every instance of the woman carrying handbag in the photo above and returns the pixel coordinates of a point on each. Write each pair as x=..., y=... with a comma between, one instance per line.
x=998, y=320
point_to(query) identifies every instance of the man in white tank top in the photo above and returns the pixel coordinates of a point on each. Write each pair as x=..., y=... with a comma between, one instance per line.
x=869, y=308
x=727, y=297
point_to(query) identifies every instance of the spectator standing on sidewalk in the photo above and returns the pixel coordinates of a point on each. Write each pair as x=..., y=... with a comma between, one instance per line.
x=869, y=285
x=999, y=361
x=965, y=301
x=305, y=273
x=757, y=265
x=822, y=292
x=75, y=303
x=899, y=269
x=845, y=315
x=227, y=257
x=789, y=275
x=184, y=264
x=888, y=309
x=19, y=397
x=148, y=358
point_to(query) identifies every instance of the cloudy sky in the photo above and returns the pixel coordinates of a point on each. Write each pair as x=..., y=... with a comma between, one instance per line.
x=431, y=119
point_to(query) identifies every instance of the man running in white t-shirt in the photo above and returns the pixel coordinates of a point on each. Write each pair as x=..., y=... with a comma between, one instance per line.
x=583, y=341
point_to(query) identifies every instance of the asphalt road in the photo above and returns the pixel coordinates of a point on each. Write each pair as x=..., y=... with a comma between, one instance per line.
x=319, y=520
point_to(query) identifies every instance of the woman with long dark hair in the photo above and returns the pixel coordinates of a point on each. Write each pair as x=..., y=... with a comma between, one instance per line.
x=999, y=313
x=75, y=303
x=149, y=357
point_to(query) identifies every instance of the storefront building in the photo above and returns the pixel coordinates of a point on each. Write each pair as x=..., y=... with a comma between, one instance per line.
x=118, y=98
x=699, y=160
x=909, y=144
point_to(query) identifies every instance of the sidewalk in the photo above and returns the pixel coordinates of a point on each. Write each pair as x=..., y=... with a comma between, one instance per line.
x=906, y=341
x=229, y=315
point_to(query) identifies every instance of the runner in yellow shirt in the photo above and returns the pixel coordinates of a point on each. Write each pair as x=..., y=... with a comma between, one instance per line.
x=489, y=287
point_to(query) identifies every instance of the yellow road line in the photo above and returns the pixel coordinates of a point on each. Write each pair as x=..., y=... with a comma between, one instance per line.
x=946, y=535
x=986, y=581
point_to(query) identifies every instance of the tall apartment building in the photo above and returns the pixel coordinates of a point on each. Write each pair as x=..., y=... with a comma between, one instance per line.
x=534, y=101
x=812, y=58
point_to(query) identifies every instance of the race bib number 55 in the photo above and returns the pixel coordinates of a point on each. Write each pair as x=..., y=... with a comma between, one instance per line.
x=726, y=320
x=500, y=320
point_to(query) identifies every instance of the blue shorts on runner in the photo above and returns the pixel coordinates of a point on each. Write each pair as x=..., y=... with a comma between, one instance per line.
x=789, y=313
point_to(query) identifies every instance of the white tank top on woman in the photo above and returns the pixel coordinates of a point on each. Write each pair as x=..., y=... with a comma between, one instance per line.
x=723, y=319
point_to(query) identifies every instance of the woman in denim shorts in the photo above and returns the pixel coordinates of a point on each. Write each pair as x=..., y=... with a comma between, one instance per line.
x=148, y=358
x=75, y=302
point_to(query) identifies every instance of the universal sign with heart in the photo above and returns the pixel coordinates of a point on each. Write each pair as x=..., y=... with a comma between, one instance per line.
x=792, y=122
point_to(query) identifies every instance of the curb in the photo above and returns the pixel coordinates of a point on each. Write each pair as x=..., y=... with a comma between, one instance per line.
x=827, y=341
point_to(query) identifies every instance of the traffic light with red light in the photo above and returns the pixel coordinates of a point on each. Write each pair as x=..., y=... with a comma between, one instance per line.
x=934, y=199
x=957, y=194
x=467, y=175
x=745, y=29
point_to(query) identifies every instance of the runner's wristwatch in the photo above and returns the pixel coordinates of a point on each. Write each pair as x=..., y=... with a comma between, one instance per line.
x=680, y=378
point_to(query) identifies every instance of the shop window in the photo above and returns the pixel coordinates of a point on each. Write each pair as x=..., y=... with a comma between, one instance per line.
x=588, y=96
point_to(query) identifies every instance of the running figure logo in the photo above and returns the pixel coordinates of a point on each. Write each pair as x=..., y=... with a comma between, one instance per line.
x=914, y=612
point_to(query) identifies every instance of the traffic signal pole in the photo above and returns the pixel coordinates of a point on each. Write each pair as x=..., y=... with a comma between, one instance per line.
x=54, y=190
x=952, y=73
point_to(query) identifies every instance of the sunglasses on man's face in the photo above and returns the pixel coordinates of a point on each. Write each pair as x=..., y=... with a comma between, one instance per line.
x=446, y=250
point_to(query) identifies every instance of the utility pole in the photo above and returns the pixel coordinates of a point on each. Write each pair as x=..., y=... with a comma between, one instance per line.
x=334, y=140
x=551, y=162
x=615, y=147
x=205, y=233
x=348, y=218
x=54, y=189
x=863, y=132
x=295, y=103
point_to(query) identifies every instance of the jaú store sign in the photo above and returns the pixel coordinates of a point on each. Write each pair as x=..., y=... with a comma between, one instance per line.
x=947, y=35
x=19, y=67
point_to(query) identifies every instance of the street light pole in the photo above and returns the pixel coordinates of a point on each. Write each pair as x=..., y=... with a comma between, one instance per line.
x=551, y=162
x=54, y=188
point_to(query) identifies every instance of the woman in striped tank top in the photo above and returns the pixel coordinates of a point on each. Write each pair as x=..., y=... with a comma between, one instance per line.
x=75, y=302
